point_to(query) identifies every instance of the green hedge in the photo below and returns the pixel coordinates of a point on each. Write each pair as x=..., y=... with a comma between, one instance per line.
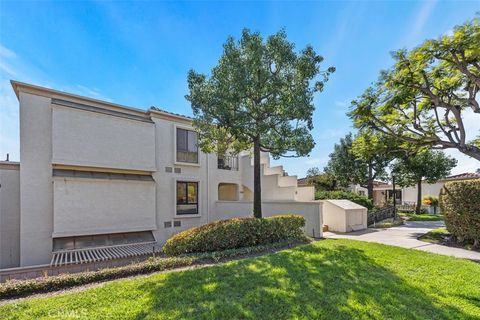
x=13, y=288
x=352, y=196
x=460, y=204
x=235, y=233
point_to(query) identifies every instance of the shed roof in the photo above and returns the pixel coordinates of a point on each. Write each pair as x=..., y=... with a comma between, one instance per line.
x=345, y=204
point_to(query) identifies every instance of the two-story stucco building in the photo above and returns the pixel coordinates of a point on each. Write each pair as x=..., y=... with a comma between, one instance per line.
x=97, y=180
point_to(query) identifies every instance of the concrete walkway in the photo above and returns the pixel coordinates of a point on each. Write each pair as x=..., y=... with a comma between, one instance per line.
x=405, y=236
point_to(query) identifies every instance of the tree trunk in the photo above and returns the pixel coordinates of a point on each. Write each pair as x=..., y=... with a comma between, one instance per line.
x=394, y=199
x=419, y=197
x=471, y=151
x=370, y=182
x=257, y=183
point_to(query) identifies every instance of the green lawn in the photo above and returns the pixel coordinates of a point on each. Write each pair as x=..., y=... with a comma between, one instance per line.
x=442, y=236
x=422, y=217
x=330, y=279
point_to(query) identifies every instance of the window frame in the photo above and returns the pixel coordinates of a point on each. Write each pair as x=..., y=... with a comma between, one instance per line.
x=175, y=146
x=187, y=215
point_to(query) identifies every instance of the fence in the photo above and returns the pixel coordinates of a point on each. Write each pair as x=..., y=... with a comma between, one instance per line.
x=381, y=214
x=227, y=163
x=407, y=207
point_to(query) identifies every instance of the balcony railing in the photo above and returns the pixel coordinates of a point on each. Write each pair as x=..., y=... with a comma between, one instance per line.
x=228, y=163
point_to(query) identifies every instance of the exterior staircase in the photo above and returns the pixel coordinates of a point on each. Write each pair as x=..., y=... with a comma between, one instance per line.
x=276, y=185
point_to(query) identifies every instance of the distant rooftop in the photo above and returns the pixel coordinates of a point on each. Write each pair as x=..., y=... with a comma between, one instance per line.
x=465, y=175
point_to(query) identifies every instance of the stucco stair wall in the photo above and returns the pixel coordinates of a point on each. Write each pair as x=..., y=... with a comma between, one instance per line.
x=275, y=186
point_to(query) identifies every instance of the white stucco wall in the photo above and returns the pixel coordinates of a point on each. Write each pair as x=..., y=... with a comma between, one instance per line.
x=36, y=187
x=93, y=139
x=9, y=216
x=97, y=206
x=306, y=193
x=56, y=206
x=410, y=193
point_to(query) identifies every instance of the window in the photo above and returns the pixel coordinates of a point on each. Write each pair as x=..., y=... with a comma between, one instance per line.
x=187, y=197
x=187, y=149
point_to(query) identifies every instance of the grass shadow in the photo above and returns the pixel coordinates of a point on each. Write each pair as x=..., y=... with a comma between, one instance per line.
x=309, y=282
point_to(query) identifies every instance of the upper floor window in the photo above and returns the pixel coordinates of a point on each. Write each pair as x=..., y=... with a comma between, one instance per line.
x=187, y=149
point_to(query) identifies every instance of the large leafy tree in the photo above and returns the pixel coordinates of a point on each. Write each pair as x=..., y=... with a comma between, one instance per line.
x=343, y=164
x=424, y=98
x=376, y=150
x=361, y=159
x=426, y=165
x=260, y=96
x=321, y=180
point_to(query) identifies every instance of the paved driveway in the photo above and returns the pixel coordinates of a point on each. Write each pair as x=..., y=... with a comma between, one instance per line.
x=406, y=236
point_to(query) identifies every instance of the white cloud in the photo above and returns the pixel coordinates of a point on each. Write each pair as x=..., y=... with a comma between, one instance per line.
x=89, y=92
x=465, y=163
x=6, y=68
x=471, y=122
x=331, y=134
x=7, y=53
x=313, y=161
x=418, y=23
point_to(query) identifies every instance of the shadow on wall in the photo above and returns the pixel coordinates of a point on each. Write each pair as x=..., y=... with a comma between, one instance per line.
x=329, y=284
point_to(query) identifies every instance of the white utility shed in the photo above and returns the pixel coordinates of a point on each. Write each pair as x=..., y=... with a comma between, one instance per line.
x=344, y=216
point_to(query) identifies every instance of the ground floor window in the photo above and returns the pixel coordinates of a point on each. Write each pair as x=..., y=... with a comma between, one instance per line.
x=187, y=197
x=101, y=240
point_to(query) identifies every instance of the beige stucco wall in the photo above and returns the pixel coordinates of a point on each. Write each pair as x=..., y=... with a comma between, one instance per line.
x=9, y=216
x=312, y=211
x=305, y=193
x=52, y=206
x=97, y=206
x=410, y=193
x=93, y=139
x=36, y=187
x=344, y=216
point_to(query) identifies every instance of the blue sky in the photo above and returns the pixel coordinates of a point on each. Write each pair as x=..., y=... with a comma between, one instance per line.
x=138, y=53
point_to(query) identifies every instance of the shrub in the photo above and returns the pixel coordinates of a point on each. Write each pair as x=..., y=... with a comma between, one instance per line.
x=352, y=196
x=460, y=205
x=430, y=201
x=13, y=288
x=235, y=233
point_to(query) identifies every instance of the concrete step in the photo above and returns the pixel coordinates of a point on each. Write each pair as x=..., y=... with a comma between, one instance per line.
x=273, y=170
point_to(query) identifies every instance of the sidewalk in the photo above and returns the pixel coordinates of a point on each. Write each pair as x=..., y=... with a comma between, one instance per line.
x=406, y=237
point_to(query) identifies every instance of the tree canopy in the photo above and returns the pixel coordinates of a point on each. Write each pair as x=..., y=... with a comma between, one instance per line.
x=429, y=166
x=321, y=180
x=260, y=95
x=344, y=165
x=424, y=98
x=362, y=159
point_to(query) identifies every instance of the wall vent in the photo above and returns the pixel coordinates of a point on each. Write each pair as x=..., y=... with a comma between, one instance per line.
x=177, y=223
x=178, y=170
x=167, y=224
x=168, y=169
